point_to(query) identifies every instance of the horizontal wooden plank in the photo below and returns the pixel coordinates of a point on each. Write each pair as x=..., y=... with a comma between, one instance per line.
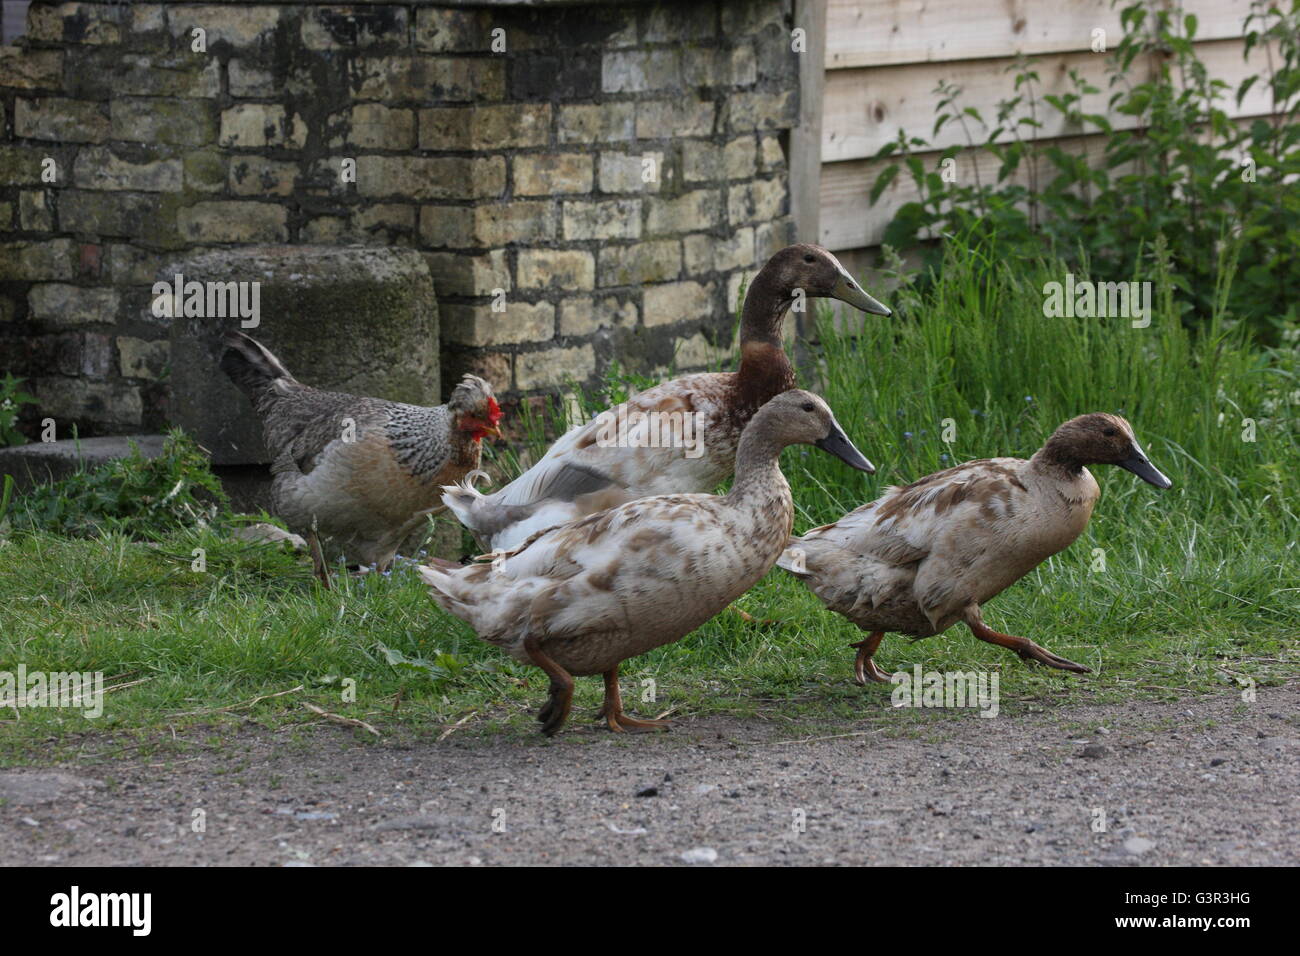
x=865, y=33
x=849, y=221
x=864, y=109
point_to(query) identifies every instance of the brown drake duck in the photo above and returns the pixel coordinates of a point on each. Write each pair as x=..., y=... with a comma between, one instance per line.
x=585, y=471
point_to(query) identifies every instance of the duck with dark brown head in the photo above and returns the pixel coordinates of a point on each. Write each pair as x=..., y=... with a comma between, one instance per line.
x=680, y=436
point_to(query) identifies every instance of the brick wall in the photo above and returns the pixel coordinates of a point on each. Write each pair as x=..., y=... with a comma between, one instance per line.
x=597, y=189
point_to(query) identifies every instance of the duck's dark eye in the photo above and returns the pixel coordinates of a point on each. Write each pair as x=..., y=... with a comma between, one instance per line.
x=810, y=258
x=1110, y=433
x=808, y=406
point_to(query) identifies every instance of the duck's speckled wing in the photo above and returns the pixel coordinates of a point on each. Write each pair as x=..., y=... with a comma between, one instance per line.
x=897, y=563
x=585, y=471
x=616, y=583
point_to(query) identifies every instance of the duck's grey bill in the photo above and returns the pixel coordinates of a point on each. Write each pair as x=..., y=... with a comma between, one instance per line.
x=846, y=290
x=1140, y=466
x=838, y=444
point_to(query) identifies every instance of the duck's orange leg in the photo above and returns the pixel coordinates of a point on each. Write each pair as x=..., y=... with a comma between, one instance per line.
x=612, y=709
x=864, y=665
x=1027, y=649
x=556, y=709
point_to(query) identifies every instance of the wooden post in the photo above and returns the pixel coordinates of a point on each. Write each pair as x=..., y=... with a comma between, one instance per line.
x=806, y=151
x=806, y=138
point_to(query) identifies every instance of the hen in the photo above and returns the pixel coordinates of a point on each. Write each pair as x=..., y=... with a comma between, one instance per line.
x=362, y=471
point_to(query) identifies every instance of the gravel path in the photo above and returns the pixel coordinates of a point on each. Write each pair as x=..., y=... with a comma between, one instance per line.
x=1204, y=781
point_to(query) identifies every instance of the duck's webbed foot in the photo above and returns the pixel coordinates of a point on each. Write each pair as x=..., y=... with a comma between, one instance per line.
x=556, y=709
x=1027, y=649
x=864, y=665
x=612, y=710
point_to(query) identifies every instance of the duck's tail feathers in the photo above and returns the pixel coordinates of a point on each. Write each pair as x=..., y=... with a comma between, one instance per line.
x=252, y=366
x=794, y=559
x=462, y=498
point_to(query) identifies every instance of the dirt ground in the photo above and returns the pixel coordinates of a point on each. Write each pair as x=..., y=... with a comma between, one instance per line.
x=1204, y=781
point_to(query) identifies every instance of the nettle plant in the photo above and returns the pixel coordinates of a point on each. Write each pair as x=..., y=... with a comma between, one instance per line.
x=1175, y=169
x=12, y=400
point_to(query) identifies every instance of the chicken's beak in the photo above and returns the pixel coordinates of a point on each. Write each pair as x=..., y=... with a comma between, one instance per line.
x=847, y=290
x=493, y=430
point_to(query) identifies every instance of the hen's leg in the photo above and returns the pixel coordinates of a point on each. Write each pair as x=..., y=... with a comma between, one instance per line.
x=612, y=709
x=864, y=665
x=556, y=709
x=1027, y=649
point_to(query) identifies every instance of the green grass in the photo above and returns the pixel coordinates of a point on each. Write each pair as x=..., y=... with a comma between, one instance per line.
x=1200, y=587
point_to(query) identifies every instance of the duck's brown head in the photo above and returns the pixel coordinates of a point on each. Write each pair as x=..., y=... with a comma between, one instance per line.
x=798, y=417
x=474, y=408
x=1101, y=439
x=814, y=272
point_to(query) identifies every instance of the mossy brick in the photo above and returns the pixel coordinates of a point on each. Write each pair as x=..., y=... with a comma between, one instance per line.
x=385, y=216
x=584, y=314
x=246, y=78
x=551, y=174
x=430, y=177
x=657, y=261
x=747, y=111
x=25, y=165
x=233, y=221
x=457, y=273
x=205, y=170
x=75, y=401
x=258, y=125
x=99, y=167
x=709, y=253
x=375, y=126
x=130, y=215
x=58, y=303
x=689, y=212
x=568, y=269
x=696, y=352
x=602, y=219
x=395, y=79
x=61, y=120
x=669, y=302
x=673, y=119
x=259, y=176
x=640, y=172
x=550, y=367
x=481, y=325
x=599, y=123
x=36, y=210
x=683, y=23
x=521, y=221
x=354, y=27
x=759, y=200
x=444, y=30
x=738, y=158
x=141, y=358
x=509, y=126
x=742, y=17
x=239, y=25
x=639, y=71
x=24, y=69
x=164, y=121
x=36, y=261
x=353, y=319
x=101, y=72
x=83, y=23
